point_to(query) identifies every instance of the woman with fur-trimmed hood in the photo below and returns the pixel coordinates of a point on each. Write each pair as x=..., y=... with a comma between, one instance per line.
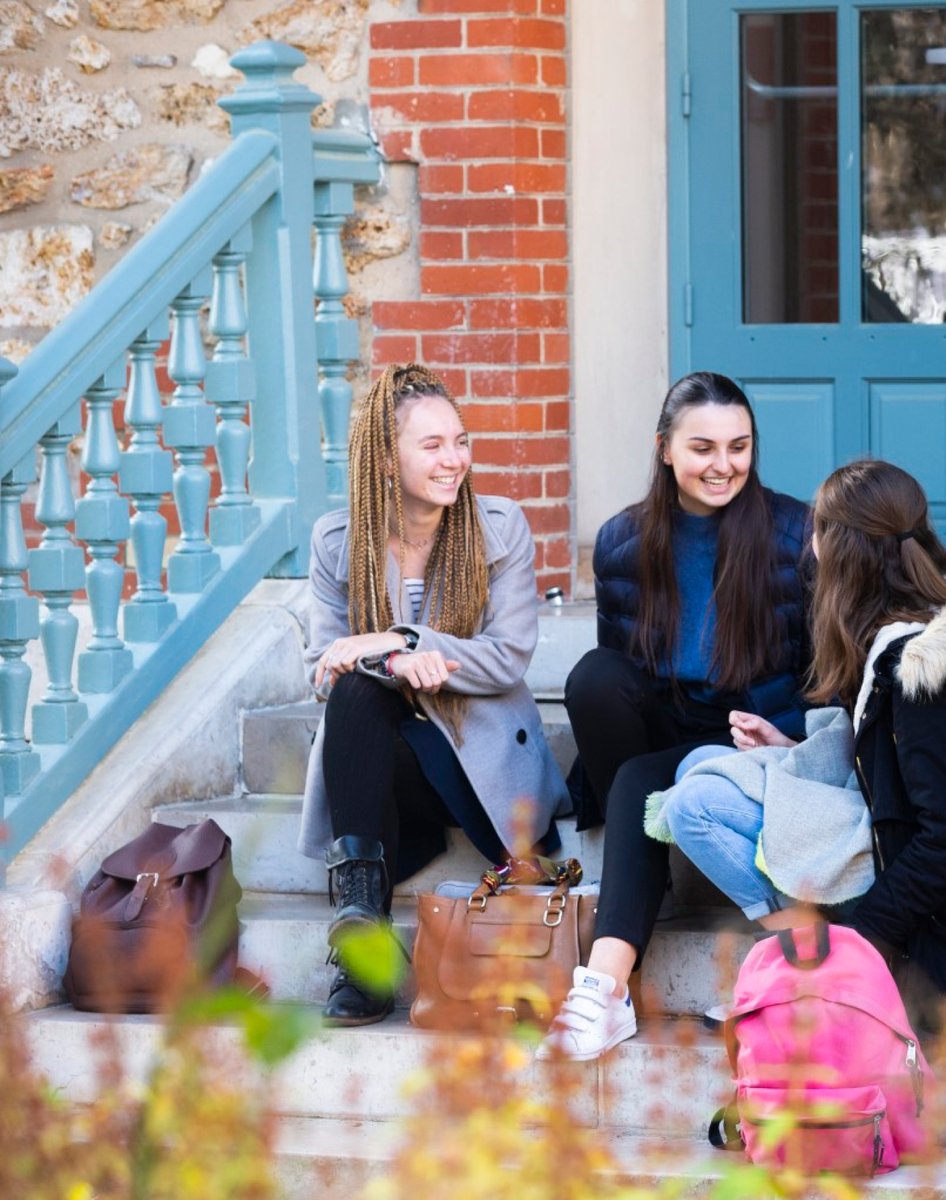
x=879, y=639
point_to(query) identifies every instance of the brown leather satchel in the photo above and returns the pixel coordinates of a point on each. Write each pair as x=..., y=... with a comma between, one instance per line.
x=490, y=959
x=158, y=916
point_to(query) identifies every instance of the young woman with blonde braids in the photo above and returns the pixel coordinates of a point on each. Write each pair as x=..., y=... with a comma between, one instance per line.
x=424, y=622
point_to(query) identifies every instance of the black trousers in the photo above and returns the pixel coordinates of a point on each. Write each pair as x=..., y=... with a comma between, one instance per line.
x=375, y=785
x=632, y=735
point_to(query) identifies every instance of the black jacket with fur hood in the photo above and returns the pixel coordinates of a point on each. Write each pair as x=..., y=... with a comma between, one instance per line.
x=900, y=753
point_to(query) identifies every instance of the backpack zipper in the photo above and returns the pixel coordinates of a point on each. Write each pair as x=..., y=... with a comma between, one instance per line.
x=878, y=1157
x=916, y=1075
x=870, y=808
x=803, y=1123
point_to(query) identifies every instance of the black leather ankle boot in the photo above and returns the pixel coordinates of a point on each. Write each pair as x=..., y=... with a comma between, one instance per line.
x=357, y=884
x=350, y=1003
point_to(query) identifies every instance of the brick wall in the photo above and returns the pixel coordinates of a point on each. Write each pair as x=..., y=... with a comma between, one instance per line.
x=474, y=93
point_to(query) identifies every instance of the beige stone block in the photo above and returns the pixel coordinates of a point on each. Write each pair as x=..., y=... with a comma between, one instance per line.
x=20, y=27
x=44, y=272
x=23, y=186
x=144, y=15
x=48, y=112
x=114, y=234
x=373, y=234
x=34, y=946
x=192, y=104
x=88, y=55
x=15, y=349
x=149, y=172
x=64, y=13
x=330, y=31
x=213, y=62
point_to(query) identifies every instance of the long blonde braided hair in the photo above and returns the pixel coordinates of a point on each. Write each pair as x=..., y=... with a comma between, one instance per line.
x=456, y=579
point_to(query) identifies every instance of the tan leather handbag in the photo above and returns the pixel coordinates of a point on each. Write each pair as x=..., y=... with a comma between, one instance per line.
x=491, y=959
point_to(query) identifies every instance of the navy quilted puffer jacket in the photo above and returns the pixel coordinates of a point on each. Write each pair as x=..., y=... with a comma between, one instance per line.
x=617, y=591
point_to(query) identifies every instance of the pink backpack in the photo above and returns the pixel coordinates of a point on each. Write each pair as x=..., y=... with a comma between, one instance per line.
x=829, y=1075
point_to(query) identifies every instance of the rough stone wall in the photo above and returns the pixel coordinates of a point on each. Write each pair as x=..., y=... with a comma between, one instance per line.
x=108, y=113
x=459, y=258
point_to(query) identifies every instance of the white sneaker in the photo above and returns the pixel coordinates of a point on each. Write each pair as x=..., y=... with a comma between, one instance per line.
x=591, y=1021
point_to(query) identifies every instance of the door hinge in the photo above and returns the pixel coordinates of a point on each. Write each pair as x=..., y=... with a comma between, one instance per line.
x=686, y=94
x=688, y=304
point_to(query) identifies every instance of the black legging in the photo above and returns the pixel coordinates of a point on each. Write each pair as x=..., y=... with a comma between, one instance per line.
x=632, y=736
x=375, y=786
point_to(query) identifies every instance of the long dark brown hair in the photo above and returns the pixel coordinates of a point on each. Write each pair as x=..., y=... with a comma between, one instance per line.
x=879, y=561
x=747, y=644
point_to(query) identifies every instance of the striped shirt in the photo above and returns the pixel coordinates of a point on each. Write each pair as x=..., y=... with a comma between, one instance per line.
x=415, y=589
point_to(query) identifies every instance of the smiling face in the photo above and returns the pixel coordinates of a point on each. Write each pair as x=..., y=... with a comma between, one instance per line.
x=433, y=450
x=709, y=451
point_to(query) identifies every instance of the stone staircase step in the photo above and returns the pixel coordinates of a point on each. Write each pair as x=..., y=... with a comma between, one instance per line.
x=340, y=1157
x=265, y=829
x=276, y=743
x=666, y=1081
x=690, y=964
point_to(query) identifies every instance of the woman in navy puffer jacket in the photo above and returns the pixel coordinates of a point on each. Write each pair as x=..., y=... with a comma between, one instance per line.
x=701, y=626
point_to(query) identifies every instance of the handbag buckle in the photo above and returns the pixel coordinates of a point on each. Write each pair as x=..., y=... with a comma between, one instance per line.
x=152, y=875
x=477, y=902
x=554, y=909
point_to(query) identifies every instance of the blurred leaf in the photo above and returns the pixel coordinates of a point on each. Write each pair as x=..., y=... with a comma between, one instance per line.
x=741, y=1181
x=374, y=956
x=274, y=1031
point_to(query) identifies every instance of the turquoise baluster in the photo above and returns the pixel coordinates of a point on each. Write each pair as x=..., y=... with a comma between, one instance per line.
x=190, y=427
x=336, y=335
x=57, y=571
x=19, y=624
x=102, y=522
x=286, y=462
x=231, y=386
x=145, y=474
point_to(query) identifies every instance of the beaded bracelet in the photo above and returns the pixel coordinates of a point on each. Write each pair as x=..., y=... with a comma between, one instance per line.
x=385, y=659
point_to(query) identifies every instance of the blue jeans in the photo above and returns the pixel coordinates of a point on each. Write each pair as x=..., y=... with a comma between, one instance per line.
x=717, y=827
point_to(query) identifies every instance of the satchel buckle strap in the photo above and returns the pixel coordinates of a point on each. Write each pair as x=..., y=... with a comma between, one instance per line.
x=477, y=901
x=554, y=909
x=145, y=882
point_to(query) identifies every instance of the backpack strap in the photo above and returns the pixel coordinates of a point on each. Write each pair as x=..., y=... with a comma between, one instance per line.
x=787, y=941
x=724, y=1132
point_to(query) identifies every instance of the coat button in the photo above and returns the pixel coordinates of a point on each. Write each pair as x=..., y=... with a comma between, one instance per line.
x=521, y=737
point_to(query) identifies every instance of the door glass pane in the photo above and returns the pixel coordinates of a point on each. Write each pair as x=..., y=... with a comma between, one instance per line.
x=903, y=106
x=789, y=99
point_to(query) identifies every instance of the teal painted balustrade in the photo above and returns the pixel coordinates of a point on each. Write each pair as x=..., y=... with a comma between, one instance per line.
x=272, y=400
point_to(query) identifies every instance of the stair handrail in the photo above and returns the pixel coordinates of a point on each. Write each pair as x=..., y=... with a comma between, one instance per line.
x=241, y=237
x=97, y=332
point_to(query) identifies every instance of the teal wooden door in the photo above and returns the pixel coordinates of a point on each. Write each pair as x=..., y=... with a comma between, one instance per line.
x=808, y=225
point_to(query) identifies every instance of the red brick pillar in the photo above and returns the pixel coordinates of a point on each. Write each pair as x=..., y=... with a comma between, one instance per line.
x=474, y=92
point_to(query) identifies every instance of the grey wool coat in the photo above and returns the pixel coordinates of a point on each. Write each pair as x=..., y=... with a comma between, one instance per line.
x=815, y=843
x=504, y=752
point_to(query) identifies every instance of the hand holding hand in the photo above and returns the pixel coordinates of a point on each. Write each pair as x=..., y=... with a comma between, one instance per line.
x=750, y=731
x=424, y=670
x=343, y=654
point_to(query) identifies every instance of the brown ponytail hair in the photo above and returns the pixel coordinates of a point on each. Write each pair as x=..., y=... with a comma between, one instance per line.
x=745, y=593
x=457, y=578
x=879, y=561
